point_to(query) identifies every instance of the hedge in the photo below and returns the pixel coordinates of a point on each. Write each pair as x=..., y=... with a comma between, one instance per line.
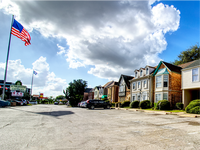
x=193, y=107
x=179, y=105
x=145, y=104
x=163, y=105
x=134, y=104
x=125, y=104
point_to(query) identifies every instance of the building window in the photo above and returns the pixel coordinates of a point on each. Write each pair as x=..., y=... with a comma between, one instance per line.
x=195, y=75
x=165, y=96
x=136, y=74
x=147, y=71
x=158, y=97
x=133, y=85
x=138, y=97
x=158, y=81
x=138, y=85
x=144, y=97
x=133, y=98
x=140, y=72
x=122, y=88
x=145, y=83
x=165, y=81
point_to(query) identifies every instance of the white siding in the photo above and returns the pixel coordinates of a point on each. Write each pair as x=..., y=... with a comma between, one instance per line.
x=187, y=82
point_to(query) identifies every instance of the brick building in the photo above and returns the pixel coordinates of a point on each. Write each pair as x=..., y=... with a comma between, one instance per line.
x=167, y=83
x=113, y=90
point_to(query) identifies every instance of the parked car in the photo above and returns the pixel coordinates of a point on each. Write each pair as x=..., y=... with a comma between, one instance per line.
x=83, y=104
x=79, y=104
x=55, y=103
x=4, y=103
x=33, y=102
x=95, y=103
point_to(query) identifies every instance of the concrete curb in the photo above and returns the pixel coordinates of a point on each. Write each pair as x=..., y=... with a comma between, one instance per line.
x=181, y=114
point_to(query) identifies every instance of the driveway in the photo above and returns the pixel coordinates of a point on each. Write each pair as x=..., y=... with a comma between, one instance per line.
x=58, y=127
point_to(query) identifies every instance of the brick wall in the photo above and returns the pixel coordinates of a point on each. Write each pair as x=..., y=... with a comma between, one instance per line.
x=175, y=92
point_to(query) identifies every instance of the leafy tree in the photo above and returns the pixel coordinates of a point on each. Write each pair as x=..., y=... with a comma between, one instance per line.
x=75, y=91
x=60, y=97
x=193, y=53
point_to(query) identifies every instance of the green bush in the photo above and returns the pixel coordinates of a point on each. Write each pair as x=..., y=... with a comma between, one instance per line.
x=163, y=105
x=195, y=110
x=134, y=104
x=113, y=104
x=145, y=104
x=125, y=104
x=193, y=107
x=179, y=105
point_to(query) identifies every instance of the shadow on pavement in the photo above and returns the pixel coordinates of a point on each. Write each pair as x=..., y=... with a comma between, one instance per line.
x=56, y=113
x=48, y=113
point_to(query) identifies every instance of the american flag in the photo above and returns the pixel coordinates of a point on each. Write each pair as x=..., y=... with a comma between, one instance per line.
x=19, y=31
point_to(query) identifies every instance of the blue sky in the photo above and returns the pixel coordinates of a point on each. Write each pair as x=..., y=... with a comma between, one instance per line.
x=93, y=41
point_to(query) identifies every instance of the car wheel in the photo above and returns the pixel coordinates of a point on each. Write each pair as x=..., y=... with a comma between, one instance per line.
x=92, y=107
x=108, y=106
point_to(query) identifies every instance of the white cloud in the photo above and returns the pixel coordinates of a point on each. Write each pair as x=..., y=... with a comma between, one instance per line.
x=44, y=82
x=61, y=50
x=114, y=37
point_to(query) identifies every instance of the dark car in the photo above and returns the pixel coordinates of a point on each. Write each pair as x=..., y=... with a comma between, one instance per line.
x=4, y=103
x=95, y=103
x=56, y=103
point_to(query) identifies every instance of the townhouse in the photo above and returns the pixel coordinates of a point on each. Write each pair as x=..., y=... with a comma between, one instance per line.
x=96, y=92
x=167, y=83
x=142, y=84
x=104, y=90
x=191, y=82
x=113, y=90
x=124, y=88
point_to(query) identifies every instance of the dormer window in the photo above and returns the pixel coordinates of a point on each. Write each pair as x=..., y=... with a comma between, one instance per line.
x=140, y=72
x=136, y=74
x=147, y=71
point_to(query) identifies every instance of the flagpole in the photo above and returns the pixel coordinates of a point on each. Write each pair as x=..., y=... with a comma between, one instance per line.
x=5, y=75
x=31, y=86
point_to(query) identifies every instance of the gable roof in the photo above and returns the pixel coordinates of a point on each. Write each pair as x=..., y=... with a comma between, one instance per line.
x=107, y=84
x=193, y=64
x=114, y=83
x=97, y=87
x=126, y=79
x=186, y=64
x=169, y=66
x=87, y=90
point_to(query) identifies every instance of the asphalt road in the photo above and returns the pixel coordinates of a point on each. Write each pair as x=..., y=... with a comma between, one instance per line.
x=57, y=127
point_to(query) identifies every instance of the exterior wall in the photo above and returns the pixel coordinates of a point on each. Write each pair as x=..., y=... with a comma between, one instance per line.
x=115, y=90
x=142, y=91
x=85, y=96
x=91, y=95
x=187, y=79
x=126, y=97
x=96, y=93
x=173, y=91
x=109, y=94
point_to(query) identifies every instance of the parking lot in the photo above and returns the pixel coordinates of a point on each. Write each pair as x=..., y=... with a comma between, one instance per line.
x=61, y=127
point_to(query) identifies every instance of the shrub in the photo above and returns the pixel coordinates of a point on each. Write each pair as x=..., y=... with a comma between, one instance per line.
x=145, y=104
x=134, y=104
x=163, y=105
x=195, y=110
x=192, y=107
x=113, y=104
x=179, y=105
x=125, y=104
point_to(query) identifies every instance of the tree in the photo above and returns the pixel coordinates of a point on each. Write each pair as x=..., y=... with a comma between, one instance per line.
x=60, y=97
x=75, y=91
x=193, y=53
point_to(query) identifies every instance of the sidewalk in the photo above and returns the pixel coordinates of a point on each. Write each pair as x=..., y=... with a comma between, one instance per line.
x=181, y=114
